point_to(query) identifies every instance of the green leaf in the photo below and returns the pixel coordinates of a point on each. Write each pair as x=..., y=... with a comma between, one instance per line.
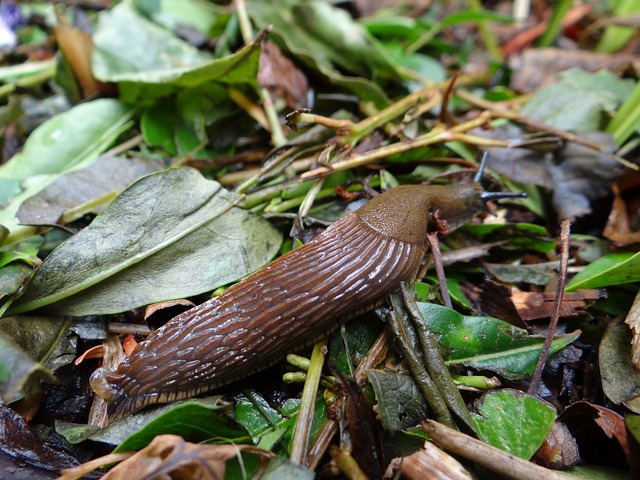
x=26, y=343
x=68, y=141
x=612, y=269
x=193, y=421
x=579, y=100
x=487, y=343
x=400, y=403
x=182, y=13
x=273, y=429
x=26, y=251
x=320, y=53
x=171, y=234
x=468, y=16
x=514, y=422
x=151, y=62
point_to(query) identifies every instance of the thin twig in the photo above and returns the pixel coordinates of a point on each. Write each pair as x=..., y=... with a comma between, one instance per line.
x=490, y=457
x=434, y=243
x=565, y=228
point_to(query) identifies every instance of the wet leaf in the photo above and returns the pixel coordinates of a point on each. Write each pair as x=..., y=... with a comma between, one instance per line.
x=191, y=420
x=174, y=227
x=620, y=381
x=400, y=403
x=579, y=100
x=106, y=175
x=151, y=62
x=613, y=269
x=68, y=141
x=18, y=370
x=23, y=443
x=314, y=51
x=513, y=421
x=487, y=343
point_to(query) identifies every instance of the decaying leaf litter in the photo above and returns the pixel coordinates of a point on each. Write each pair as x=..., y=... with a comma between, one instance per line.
x=146, y=159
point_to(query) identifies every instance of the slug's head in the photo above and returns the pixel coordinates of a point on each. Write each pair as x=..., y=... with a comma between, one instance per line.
x=403, y=212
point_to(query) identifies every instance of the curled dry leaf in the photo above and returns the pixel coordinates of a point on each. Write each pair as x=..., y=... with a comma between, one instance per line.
x=601, y=433
x=518, y=308
x=633, y=320
x=169, y=456
x=559, y=450
x=623, y=222
x=281, y=77
x=431, y=462
x=77, y=46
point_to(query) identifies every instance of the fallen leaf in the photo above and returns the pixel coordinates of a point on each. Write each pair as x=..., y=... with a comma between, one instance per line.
x=600, y=432
x=19, y=441
x=620, y=381
x=281, y=77
x=559, y=449
x=577, y=175
x=77, y=47
x=172, y=234
x=169, y=456
x=540, y=305
x=622, y=224
x=633, y=320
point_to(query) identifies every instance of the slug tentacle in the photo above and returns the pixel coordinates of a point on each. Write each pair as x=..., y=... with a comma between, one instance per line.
x=292, y=302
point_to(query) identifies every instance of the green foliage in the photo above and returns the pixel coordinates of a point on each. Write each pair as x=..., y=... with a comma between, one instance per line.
x=513, y=421
x=486, y=343
x=173, y=226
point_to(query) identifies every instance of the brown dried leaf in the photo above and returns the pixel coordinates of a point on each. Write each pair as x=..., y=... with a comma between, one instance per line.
x=559, y=450
x=633, y=320
x=517, y=308
x=537, y=305
x=601, y=433
x=622, y=218
x=281, y=77
x=77, y=47
x=431, y=462
x=169, y=456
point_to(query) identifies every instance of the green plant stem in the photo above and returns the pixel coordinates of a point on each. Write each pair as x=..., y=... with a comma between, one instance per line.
x=400, y=107
x=555, y=23
x=434, y=362
x=302, y=432
x=493, y=49
x=438, y=135
x=401, y=328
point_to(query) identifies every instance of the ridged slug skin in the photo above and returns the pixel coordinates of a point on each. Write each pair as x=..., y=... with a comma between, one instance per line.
x=290, y=303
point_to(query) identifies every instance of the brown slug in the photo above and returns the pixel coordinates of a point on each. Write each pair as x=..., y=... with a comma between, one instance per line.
x=293, y=301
